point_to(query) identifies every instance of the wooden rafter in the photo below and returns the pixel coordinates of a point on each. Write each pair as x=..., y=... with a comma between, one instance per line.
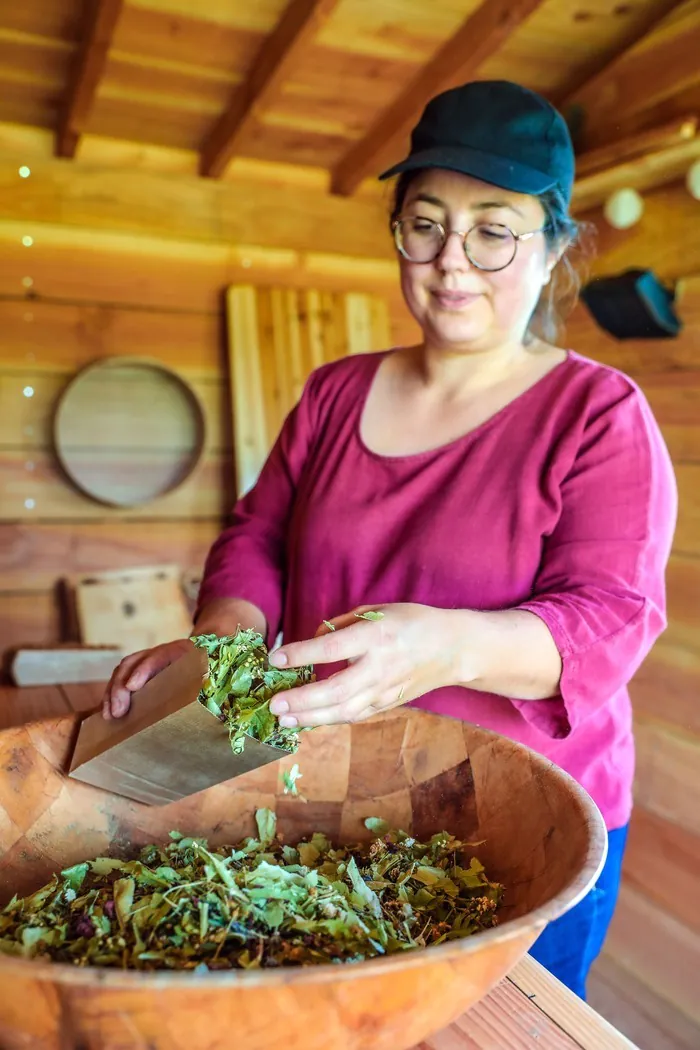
x=634, y=168
x=653, y=69
x=458, y=60
x=281, y=52
x=101, y=19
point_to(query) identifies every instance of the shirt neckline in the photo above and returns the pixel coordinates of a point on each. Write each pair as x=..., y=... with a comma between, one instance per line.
x=462, y=439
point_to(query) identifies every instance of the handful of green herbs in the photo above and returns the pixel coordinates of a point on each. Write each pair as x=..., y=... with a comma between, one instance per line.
x=240, y=685
x=262, y=903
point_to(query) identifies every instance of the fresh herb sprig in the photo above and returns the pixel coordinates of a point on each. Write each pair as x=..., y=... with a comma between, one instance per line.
x=240, y=684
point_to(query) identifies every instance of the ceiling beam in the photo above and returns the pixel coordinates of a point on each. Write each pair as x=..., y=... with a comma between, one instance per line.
x=280, y=54
x=659, y=65
x=100, y=22
x=457, y=61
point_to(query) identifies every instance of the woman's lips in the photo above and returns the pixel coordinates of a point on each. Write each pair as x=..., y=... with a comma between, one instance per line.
x=455, y=300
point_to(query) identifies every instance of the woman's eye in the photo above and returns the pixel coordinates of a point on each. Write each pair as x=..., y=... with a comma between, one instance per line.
x=494, y=233
x=422, y=226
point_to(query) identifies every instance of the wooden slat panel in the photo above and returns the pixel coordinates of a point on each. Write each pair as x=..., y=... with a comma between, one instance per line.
x=637, y=1010
x=33, y=555
x=26, y=422
x=206, y=494
x=62, y=337
x=666, y=778
x=667, y=685
x=662, y=861
x=657, y=949
x=274, y=337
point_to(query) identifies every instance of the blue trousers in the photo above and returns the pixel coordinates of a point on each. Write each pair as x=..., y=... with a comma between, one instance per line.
x=570, y=945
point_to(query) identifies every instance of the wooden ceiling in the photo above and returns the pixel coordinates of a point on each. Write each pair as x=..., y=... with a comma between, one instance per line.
x=337, y=84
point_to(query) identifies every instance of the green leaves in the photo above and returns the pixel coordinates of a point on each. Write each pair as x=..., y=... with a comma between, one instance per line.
x=372, y=614
x=186, y=905
x=239, y=686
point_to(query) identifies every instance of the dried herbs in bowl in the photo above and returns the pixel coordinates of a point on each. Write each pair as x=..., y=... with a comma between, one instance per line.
x=262, y=903
x=240, y=684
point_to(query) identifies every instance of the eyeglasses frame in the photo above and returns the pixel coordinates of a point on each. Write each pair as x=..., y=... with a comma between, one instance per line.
x=517, y=237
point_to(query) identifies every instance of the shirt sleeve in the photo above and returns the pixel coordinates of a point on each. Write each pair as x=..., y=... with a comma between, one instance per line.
x=601, y=587
x=248, y=559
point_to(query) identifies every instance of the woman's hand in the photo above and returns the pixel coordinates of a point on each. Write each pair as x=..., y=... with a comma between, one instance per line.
x=408, y=651
x=135, y=670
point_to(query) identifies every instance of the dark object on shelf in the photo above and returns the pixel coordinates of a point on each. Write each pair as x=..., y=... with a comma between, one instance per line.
x=633, y=305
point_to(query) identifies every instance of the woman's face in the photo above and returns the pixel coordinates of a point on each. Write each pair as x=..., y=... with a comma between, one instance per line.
x=458, y=306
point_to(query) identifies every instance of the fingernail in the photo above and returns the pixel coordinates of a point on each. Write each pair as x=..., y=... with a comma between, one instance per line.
x=133, y=683
x=288, y=722
x=279, y=659
x=279, y=707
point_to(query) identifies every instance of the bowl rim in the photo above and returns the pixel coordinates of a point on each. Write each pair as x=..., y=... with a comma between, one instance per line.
x=530, y=924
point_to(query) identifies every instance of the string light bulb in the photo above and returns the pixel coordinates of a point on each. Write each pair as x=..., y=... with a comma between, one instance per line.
x=623, y=209
x=692, y=180
x=24, y=172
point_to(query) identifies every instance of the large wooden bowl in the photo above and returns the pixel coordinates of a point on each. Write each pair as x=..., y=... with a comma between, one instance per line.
x=543, y=838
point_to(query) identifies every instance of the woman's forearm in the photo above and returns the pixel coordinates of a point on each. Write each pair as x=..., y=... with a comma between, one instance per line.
x=224, y=615
x=510, y=653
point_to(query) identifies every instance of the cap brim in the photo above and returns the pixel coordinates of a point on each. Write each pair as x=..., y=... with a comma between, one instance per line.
x=489, y=167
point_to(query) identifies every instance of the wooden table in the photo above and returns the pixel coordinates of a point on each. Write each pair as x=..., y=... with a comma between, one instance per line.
x=530, y=1010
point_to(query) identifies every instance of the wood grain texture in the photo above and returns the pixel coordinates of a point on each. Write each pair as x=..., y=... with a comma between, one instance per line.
x=284, y=49
x=653, y=840
x=458, y=60
x=32, y=554
x=276, y=338
x=667, y=769
x=101, y=19
x=43, y=494
x=636, y=1010
x=657, y=949
x=655, y=68
x=388, y=1004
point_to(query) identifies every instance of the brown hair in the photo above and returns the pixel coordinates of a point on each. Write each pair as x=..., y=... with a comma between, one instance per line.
x=562, y=232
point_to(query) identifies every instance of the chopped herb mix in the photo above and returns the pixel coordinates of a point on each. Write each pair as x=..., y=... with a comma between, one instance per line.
x=240, y=685
x=186, y=906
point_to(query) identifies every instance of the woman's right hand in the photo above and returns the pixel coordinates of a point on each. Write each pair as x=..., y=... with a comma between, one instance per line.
x=135, y=670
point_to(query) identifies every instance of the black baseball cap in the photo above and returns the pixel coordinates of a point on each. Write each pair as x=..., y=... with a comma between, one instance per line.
x=498, y=132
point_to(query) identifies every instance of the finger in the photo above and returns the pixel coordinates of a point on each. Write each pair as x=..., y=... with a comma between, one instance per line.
x=335, y=691
x=358, y=709
x=116, y=695
x=330, y=648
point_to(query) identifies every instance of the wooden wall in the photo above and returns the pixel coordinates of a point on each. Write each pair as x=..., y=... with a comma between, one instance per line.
x=97, y=260
x=647, y=980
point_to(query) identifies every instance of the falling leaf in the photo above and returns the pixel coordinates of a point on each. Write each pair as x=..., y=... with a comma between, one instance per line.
x=290, y=777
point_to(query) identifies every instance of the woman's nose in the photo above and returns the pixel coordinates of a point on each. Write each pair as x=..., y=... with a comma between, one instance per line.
x=453, y=255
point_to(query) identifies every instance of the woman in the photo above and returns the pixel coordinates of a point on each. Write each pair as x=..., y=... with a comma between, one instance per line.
x=508, y=505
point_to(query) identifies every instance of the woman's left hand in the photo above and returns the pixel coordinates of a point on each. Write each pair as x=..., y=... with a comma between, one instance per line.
x=405, y=652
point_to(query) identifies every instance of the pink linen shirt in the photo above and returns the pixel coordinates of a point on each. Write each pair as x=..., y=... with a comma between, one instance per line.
x=563, y=503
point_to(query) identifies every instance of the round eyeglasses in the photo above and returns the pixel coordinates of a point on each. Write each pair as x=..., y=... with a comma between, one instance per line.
x=488, y=245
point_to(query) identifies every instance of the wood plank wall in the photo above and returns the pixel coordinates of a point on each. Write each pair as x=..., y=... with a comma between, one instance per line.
x=137, y=263
x=647, y=979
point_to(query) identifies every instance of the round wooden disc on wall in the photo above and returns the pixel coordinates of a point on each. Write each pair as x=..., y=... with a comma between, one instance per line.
x=128, y=430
